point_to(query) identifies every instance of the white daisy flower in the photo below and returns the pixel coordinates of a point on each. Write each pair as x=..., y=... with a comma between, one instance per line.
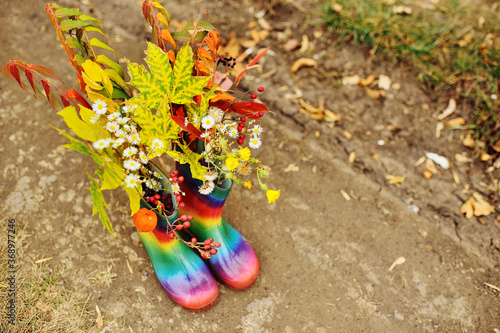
x=157, y=144
x=102, y=143
x=186, y=121
x=211, y=175
x=134, y=138
x=203, y=135
x=221, y=128
x=121, y=134
x=207, y=122
x=118, y=142
x=151, y=184
x=176, y=189
x=112, y=126
x=114, y=116
x=129, y=108
x=215, y=113
x=233, y=133
x=254, y=143
x=257, y=130
x=122, y=120
x=131, y=164
x=94, y=118
x=132, y=180
x=99, y=107
x=129, y=152
x=143, y=158
x=206, y=188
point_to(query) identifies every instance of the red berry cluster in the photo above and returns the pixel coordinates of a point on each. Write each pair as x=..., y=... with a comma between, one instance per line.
x=241, y=125
x=177, y=180
x=207, y=248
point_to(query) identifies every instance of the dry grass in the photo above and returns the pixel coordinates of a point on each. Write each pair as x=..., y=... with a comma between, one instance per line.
x=454, y=46
x=42, y=303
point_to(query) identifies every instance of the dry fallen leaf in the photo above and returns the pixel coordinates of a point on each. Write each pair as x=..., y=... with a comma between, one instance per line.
x=345, y=195
x=452, y=105
x=441, y=160
x=350, y=80
x=469, y=141
x=336, y=7
x=99, y=321
x=347, y=134
x=375, y=94
x=466, y=39
x=291, y=45
x=455, y=177
x=264, y=24
x=399, y=261
x=292, y=168
x=420, y=161
x=496, y=147
x=304, y=45
x=352, y=157
x=456, y=122
x=486, y=157
x=258, y=36
x=429, y=165
x=396, y=86
x=39, y=261
x=394, y=179
x=367, y=81
x=303, y=62
x=401, y=10
x=384, y=82
x=476, y=206
x=129, y=267
x=462, y=158
x=439, y=128
x=427, y=174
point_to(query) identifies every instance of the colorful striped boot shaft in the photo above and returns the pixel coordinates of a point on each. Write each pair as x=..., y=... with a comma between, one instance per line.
x=182, y=273
x=235, y=264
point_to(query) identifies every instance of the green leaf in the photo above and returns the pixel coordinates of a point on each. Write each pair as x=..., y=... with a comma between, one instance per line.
x=100, y=205
x=103, y=60
x=69, y=24
x=97, y=43
x=67, y=12
x=94, y=29
x=74, y=43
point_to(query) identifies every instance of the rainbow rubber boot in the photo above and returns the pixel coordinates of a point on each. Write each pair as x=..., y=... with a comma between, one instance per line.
x=181, y=272
x=235, y=264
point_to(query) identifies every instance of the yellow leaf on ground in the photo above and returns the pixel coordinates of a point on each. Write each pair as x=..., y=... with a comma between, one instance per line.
x=476, y=206
x=303, y=62
x=394, y=179
x=466, y=39
x=99, y=321
x=427, y=173
x=452, y=105
x=375, y=94
x=350, y=80
x=456, y=122
x=336, y=7
x=384, y=82
x=469, y=141
x=401, y=10
x=468, y=208
x=486, y=157
x=291, y=44
x=367, y=81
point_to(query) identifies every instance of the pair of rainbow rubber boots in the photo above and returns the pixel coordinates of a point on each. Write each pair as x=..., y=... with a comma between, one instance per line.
x=186, y=277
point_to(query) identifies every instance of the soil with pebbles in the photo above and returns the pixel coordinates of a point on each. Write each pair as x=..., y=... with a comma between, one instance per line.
x=325, y=256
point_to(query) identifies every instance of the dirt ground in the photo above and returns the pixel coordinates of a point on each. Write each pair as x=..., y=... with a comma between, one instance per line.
x=324, y=259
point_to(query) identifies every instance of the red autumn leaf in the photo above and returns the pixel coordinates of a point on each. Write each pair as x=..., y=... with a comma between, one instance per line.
x=73, y=94
x=213, y=41
x=181, y=121
x=252, y=63
x=165, y=34
x=247, y=109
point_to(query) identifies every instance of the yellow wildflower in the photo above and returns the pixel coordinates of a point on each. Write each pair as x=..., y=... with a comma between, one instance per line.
x=272, y=195
x=248, y=184
x=244, y=153
x=232, y=163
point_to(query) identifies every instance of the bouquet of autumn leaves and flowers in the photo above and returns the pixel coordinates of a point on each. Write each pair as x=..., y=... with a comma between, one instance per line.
x=178, y=106
x=179, y=102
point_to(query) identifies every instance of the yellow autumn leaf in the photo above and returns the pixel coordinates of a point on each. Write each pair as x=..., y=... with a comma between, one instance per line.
x=272, y=195
x=232, y=163
x=248, y=184
x=93, y=70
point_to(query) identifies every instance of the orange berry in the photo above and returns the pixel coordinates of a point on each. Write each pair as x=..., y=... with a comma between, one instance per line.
x=145, y=220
